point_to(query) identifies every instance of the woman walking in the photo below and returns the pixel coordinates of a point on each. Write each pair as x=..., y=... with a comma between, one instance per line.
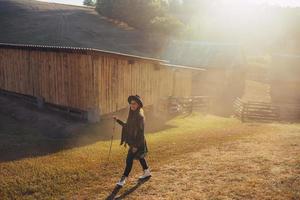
x=133, y=135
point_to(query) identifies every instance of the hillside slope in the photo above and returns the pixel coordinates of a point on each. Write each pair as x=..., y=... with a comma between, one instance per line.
x=34, y=22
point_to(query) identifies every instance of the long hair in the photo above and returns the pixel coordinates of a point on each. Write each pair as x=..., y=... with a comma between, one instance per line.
x=134, y=113
x=133, y=119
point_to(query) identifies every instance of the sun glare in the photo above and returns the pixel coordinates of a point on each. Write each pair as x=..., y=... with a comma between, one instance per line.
x=285, y=3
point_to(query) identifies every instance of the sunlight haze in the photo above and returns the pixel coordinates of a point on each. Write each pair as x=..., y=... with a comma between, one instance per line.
x=292, y=3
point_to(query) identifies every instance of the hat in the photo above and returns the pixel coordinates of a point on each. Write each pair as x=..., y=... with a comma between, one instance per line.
x=136, y=98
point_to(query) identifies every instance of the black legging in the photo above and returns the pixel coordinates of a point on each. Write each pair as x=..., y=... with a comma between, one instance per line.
x=129, y=162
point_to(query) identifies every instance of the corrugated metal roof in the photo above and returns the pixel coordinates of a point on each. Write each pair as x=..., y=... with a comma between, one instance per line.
x=204, y=54
x=74, y=50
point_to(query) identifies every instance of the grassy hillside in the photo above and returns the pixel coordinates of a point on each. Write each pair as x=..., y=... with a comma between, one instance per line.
x=41, y=23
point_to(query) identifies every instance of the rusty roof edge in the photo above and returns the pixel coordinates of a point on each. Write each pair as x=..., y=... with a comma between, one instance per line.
x=184, y=67
x=130, y=55
x=84, y=49
x=72, y=5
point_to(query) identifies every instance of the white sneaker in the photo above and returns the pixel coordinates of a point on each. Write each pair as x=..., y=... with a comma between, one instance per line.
x=122, y=181
x=146, y=174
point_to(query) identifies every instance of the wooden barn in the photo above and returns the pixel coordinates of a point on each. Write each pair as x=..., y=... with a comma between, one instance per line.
x=284, y=78
x=225, y=64
x=87, y=80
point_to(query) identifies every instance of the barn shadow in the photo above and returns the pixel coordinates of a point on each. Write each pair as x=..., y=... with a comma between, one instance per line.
x=26, y=131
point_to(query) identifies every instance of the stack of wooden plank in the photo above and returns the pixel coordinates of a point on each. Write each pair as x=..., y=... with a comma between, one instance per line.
x=256, y=111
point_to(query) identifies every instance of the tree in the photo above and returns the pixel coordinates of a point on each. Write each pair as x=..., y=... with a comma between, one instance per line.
x=150, y=15
x=104, y=7
x=175, y=5
x=89, y=2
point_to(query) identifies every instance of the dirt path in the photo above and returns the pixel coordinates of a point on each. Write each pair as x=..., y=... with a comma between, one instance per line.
x=259, y=166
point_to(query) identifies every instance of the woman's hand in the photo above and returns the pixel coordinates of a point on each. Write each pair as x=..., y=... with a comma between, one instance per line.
x=134, y=149
x=115, y=118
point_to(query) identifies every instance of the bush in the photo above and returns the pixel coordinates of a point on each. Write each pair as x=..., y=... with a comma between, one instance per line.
x=166, y=25
x=149, y=15
x=89, y=2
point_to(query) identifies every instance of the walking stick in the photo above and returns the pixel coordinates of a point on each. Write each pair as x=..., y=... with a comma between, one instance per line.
x=111, y=141
x=112, y=138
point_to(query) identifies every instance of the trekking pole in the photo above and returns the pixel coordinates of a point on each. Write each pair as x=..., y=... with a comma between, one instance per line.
x=112, y=138
x=111, y=141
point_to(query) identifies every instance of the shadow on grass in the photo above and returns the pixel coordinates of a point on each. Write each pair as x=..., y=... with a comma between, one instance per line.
x=114, y=193
x=26, y=131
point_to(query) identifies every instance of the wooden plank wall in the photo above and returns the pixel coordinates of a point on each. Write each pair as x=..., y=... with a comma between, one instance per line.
x=91, y=80
x=64, y=79
x=120, y=78
x=12, y=69
x=182, y=82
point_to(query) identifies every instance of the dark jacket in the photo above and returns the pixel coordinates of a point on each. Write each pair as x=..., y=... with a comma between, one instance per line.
x=133, y=135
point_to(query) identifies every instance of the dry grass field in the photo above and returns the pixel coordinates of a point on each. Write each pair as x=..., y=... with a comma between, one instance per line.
x=196, y=157
x=48, y=156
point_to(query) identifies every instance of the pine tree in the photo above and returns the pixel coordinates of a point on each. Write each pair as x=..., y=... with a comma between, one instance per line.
x=89, y=2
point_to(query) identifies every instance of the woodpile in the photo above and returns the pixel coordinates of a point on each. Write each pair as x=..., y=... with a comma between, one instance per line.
x=256, y=111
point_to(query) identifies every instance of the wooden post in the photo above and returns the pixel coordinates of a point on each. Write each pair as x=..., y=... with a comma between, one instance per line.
x=40, y=102
x=93, y=115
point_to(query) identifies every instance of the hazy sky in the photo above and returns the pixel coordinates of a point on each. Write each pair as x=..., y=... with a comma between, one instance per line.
x=280, y=2
x=276, y=2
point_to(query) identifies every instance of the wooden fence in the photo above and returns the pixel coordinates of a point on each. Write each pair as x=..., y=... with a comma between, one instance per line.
x=188, y=104
x=256, y=111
